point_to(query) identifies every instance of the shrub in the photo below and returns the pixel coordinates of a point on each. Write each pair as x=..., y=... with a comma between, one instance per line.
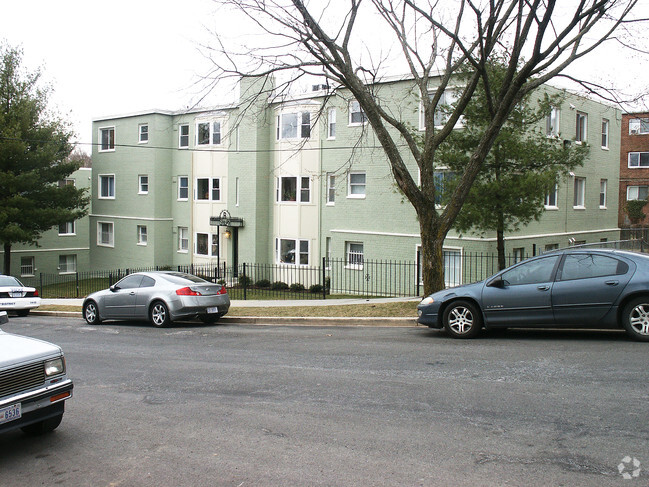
x=245, y=281
x=296, y=287
x=278, y=286
x=315, y=289
x=263, y=283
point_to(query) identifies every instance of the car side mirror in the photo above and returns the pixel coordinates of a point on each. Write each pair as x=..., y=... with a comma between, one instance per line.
x=496, y=282
x=113, y=288
x=4, y=317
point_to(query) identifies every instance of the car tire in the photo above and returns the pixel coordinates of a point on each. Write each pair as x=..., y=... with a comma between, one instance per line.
x=209, y=319
x=22, y=312
x=159, y=314
x=462, y=319
x=635, y=318
x=91, y=313
x=43, y=427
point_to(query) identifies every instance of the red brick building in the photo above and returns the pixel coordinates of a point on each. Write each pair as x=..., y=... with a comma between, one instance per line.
x=634, y=164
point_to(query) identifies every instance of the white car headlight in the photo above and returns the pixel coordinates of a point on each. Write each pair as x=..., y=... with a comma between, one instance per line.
x=54, y=367
x=428, y=300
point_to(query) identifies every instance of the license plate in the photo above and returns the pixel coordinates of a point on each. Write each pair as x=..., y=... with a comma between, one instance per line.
x=213, y=309
x=10, y=413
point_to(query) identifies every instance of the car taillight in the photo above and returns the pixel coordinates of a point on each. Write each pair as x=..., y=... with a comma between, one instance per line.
x=187, y=291
x=222, y=290
x=35, y=293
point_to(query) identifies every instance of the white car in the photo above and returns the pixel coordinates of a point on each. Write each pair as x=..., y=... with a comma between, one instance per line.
x=16, y=297
x=33, y=383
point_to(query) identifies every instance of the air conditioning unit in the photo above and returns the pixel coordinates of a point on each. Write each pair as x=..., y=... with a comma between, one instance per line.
x=634, y=132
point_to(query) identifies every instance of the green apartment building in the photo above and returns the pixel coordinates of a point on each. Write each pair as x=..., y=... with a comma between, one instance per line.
x=292, y=181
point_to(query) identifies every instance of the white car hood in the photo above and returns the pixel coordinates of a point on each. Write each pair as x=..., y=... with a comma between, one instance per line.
x=15, y=349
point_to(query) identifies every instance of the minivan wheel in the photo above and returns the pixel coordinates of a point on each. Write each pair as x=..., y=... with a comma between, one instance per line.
x=159, y=315
x=462, y=319
x=635, y=318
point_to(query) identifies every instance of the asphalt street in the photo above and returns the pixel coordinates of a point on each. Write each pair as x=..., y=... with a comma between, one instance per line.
x=253, y=405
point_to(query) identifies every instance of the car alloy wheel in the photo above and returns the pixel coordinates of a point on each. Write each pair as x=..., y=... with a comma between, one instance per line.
x=636, y=318
x=90, y=313
x=159, y=314
x=462, y=319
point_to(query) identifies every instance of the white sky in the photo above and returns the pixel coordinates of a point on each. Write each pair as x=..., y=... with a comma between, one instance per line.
x=123, y=56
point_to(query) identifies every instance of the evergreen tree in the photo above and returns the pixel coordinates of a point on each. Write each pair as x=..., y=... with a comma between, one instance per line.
x=34, y=149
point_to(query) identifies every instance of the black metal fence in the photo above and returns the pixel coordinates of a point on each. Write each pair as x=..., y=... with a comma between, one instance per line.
x=333, y=278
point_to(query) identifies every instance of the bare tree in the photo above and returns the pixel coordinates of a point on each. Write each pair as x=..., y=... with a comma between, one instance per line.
x=436, y=40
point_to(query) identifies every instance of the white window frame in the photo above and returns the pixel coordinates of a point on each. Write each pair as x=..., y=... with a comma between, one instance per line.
x=210, y=189
x=183, y=240
x=633, y=192
x=109, y=230
x=298, y=252
x=331, y=189
x=27, y=266
x=452, y=266
x=581, y=129
x=215, y=133
x=183, y=137
x=605, y=133
x=142, y=235
x=548, y=199
x=109, y=196
x=603, y=186
x=356, y=109
x=350, y=185
x=69, y=228
x=67, y=264
x=639, y=156
x=358, y=261
x=638, y=126
x=143, y=186
x=305, y=191
x=331, y=124
x=143, y=133
x=212, y=244
x=553, y=122
x=299, y=130
x=579, y=200
x=110, y=143
x=183, y=187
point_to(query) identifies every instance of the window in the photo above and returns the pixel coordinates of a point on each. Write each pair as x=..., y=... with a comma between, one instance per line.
x=202, y=244
x=581, y=127
x=638, y=126
x=584, y=266
x=208, y=133
x=551, y=247
x=107, y=186
x=143, y=184
x=286, y=190
x=67, y=264
x=442, y=181
x=67, y=228
x=236, y=191
x=604, y=133
x=331, y=123
x=328, y=252
x=602, y=193
x=356, y=114
x=331, y=189
x=638, y=159
x=305, y=190
x=107, y=139
x=290, y=124
x=580, y=193
x=519, y=254
x=203, y=189
x=551, y=198
x=637, y=192
x=445, y=107
x=141, y=235
x=143, y=131
x=552, y=122
x=105, y=234
x=356, y=185
x=66, y=182
x=183, y=239
x=354, y=255
x=183, y=187
x=183, y=136
x=535, y=272
x=27, y=266
x=452, y=267
x=287, y=249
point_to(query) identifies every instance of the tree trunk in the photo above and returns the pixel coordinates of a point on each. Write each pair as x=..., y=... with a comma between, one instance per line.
x=7, y=259
x=500, y=243
x=432, y=253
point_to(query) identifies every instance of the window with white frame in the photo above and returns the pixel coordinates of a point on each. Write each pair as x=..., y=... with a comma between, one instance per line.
x=27, y=266
x=295, y=125
x=183, y=239
x=286, y=189
x=331, y=123
x=331, y=189
x=605, y=126
x=107, y=186
x=183, y=136
x=637, y=193
x=580, y=193
x=581, y=127
x=141, y=235
x=106, y=139
x=67, y=228
x=442, y=180
x=452, y=266
x=183, y=188
x=638, y=126
x=519, y=254
x=67, y=264
x=356, y=185
x=208, y=189
x=66, y=182
x=328, y=252
x=207, y=244
x=552, y=122
x=356, y=113
x=291, y=251
x=551, y=198
x=602, y=193
x=143, y=184
x=444, y=107
x=105, y=234
x=638, y=159
x=236, y=191
x=143, y=133
x=354, y=255
x=305, y=189
x=551, y=247
x=208, y=133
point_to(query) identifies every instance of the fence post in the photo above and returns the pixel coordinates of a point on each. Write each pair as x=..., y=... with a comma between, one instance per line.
x=40, y=277
x=76, y=275
x=324, y=278
x=245, y=283
x=417, y=272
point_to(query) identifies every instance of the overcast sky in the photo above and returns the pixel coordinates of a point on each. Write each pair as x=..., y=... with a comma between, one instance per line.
x=123, y=56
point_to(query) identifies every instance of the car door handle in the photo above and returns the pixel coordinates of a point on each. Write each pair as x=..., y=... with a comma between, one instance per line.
x=612, y=283
x=132, y=293
x=543, y=288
